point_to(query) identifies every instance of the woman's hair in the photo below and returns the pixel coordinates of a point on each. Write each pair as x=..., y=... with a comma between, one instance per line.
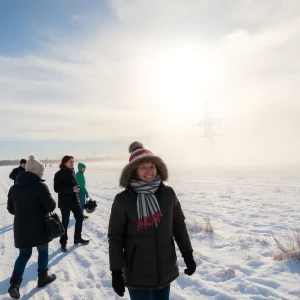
x=64, y=160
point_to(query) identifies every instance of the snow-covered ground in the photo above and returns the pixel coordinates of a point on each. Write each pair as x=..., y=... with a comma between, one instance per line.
x=234, y=262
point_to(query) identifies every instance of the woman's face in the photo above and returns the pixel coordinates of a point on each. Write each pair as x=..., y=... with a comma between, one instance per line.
x=70, y=163
x=146, y=172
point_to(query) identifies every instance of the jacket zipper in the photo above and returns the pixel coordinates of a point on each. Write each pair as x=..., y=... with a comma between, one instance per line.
x=156, y=239
x=157, y=252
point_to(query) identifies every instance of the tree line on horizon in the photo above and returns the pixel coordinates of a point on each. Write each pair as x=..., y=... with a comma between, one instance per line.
x=8, y=162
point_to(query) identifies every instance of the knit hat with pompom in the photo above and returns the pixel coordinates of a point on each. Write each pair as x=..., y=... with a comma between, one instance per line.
x=139, y=154
x=34, y=165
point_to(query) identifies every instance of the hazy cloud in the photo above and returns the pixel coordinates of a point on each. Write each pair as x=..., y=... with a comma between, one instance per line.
x=150, y=71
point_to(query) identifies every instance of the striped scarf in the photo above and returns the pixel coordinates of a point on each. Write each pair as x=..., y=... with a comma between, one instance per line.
x=148, y=209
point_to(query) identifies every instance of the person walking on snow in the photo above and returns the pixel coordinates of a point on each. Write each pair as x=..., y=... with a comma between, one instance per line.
x=83, y=193
x=16, y=171
x=29, y=200
x=145, y=219
x=66, y=186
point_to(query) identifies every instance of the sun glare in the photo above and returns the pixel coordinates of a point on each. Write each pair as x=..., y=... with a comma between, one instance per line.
x=179, y=77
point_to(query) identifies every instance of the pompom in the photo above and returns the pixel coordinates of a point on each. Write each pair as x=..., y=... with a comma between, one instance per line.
x=31, y=157
x=135, y=145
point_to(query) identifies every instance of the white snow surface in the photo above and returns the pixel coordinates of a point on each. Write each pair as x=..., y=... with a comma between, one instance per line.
x=235, y=262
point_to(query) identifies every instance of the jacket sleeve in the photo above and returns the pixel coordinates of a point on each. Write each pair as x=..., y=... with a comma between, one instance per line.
x=179, y=228
x=59, y=185
x=81, y=182
x=116, y=235
x=13, y=174
x=46, y=199
x=10, y=204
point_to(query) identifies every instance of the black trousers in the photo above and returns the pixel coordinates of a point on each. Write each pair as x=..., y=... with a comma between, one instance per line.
x=78, y=215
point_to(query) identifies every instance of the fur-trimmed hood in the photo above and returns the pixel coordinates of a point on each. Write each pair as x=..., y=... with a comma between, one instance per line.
x=131, y=167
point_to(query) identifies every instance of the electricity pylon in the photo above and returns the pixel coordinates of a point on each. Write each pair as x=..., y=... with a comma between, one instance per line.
x=207, y=123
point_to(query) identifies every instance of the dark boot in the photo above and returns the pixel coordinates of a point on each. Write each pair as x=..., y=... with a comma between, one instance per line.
x=44, y=278
x=64, y=248
x=81, y=241
x=14, y=287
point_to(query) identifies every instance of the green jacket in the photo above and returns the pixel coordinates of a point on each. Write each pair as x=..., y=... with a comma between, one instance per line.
x=81, y=179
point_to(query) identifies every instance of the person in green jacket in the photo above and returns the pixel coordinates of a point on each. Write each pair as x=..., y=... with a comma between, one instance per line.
x=83, y=193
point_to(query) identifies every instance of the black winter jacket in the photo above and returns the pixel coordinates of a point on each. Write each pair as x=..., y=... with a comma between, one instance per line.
x=29, y=200
x=15, y=172
x=64, y=181
x=147, y=257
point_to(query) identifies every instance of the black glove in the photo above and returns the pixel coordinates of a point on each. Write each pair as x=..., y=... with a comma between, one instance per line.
x=118, y=282
x=190, y=263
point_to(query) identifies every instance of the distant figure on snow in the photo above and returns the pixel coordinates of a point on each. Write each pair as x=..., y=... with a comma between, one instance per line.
x=145, y=218
x=16, y=171
x=29, y=200
x=83, y=193
x=66, y=186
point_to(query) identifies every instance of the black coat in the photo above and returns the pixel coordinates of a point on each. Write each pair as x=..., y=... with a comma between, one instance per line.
x=64, y=181
x=147, y=257
x=29, y=200
x=15, y=172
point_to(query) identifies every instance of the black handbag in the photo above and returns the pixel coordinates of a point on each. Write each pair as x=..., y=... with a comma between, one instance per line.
x=54, y=227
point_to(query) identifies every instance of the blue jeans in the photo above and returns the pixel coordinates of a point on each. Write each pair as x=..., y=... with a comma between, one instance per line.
x=81, y=196
x=24, y=256
x=162, y=294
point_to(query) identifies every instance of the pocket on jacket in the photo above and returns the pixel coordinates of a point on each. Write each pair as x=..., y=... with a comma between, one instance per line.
x=132, y=257
x=174, y=248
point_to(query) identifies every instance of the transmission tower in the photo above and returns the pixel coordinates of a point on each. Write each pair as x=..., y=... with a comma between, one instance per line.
x=207, y=123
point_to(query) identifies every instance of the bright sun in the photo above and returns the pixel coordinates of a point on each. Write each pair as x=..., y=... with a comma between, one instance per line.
x=178, y=78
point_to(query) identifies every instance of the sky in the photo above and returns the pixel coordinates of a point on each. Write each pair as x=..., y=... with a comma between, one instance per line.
x=93, y=76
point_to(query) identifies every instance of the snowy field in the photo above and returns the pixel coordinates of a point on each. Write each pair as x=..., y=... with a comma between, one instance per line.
x=235, y=262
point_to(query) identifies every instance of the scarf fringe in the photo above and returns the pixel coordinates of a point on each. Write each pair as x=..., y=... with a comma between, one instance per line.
x=147, y=222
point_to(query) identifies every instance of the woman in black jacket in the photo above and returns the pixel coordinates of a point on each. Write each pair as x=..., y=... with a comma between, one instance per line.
x=67, y=188
x=145, y=219
x=29, y=200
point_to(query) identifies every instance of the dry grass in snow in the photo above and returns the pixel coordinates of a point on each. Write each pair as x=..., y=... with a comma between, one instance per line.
x=290, y=248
